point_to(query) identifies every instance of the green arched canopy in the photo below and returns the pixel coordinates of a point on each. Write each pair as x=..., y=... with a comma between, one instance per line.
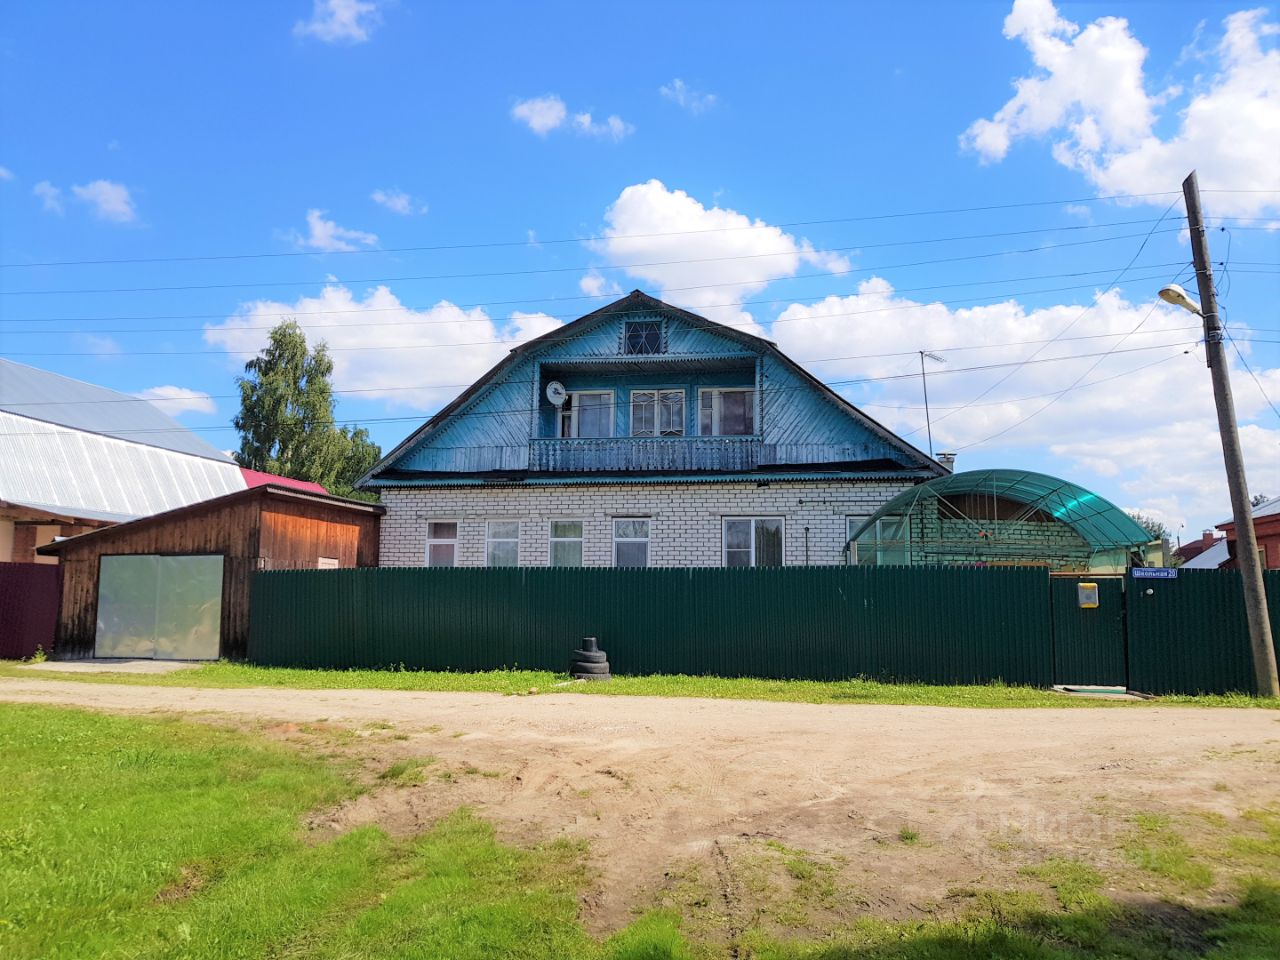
x=1102, y=524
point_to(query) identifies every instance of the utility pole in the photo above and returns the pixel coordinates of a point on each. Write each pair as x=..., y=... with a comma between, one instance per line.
x=1255, y=597
x=924, y=383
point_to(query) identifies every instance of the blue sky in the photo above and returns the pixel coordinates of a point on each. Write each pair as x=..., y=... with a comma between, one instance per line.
x=767, y=153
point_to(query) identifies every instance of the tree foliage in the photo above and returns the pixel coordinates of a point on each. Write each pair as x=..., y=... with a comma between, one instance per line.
x=1155, y=527
x=286, y=420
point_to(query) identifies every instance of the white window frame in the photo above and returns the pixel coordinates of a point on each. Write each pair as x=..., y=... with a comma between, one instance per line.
x=647, y=540
x=457, y=529
x=658, y=394
x=575, y=406
x=724, y=539
x=552, y=539
x=489, y=539
x=893, y=545
x=716, y=394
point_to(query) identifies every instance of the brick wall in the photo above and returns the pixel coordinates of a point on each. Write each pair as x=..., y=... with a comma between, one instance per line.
x=685, y=519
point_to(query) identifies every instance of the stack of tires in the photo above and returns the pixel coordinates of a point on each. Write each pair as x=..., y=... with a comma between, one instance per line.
x=590, y=662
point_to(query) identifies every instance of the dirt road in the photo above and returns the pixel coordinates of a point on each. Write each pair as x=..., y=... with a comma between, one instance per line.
x=679, y=794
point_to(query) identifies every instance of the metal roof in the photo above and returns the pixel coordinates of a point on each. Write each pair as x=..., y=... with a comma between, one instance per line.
x=180, y=514
x=82, y=474
x=1097, y=520
x=1210, y=559
x=53, y=398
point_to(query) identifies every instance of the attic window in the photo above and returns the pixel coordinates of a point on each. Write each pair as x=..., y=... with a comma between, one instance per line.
x=642, y=337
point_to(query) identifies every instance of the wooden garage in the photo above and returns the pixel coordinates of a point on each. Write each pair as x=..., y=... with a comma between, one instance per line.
x=176, y=585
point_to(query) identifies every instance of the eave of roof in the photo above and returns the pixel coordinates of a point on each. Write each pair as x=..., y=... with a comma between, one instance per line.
x=217, y=503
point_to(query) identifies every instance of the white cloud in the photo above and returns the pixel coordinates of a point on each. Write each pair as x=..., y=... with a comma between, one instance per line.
x=546, y=113
x=612, y=128
x=108, y=200
x=395, y=346
x=6, y=173
x=1091, y=94
x=327, y=236
x=50, y=196
x=710, y=259
x=594, y=285
x=1158, y=454
x=176, y=400
x=540, y=114
x=340, y=21
x=695, y=101
x=397, y=201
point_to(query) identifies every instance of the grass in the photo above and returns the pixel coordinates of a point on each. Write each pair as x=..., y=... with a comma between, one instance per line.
x=521, y=682
x=126, y=837
x=1157, y=848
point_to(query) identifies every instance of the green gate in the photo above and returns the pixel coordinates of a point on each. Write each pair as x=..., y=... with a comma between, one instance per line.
x=1088, y=643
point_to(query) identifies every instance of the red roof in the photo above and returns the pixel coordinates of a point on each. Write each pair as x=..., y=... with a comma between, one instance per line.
x=256, y=478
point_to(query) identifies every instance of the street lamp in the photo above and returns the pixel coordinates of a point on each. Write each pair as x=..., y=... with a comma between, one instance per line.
x=924, y=384
x=1255, y=594
x=1180, y=298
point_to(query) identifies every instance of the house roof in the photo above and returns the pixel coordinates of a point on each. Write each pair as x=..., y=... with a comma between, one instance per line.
x=1210, y=559
x=72, y=472
x=269, y=490
x=1267, y=508
x=1102, y=524
x=52, y=398
x=639, y=302
x=256, y=478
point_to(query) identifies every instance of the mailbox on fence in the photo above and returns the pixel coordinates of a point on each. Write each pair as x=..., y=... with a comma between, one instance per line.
x=1087, y=596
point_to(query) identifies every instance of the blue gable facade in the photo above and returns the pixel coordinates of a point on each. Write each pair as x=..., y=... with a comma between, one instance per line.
x=733, y=406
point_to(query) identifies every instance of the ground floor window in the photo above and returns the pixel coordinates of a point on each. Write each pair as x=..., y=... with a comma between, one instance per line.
x=566, y=543
x=502, y=543
x=442, y=543
x=753, y=541
x=852, y=526
x=893, y=541
x=631, y=542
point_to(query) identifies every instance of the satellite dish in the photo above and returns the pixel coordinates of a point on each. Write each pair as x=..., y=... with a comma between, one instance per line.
x=556, y=393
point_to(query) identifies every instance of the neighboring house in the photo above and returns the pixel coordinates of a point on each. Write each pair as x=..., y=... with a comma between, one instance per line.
x=75, y=457
x=1266, y=526
x=1190, y=551
x=640, y=435
x=1210, y=559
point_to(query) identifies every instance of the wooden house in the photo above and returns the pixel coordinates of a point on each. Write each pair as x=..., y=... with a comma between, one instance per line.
x=176, y=585
x=641, y=435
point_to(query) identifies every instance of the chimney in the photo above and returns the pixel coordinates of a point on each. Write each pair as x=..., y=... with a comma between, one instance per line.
x=948, y=460
x=1207, y=538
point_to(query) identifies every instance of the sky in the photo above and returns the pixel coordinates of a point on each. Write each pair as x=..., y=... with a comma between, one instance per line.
x=424, y=185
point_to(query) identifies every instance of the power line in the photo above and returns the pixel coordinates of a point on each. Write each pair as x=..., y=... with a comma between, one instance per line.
x=546, y=338
x=1043, y=248
x=771, y=301
x=1079, y=316
x=615, y=237
x=772, y=390
x=999, y=345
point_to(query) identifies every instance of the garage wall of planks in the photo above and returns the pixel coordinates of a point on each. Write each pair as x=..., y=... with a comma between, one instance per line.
x=263, y=528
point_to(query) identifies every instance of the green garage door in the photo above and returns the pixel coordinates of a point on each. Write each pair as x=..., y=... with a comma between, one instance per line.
x=165, y=608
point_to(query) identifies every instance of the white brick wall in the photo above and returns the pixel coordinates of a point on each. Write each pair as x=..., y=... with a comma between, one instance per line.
x=685, y=519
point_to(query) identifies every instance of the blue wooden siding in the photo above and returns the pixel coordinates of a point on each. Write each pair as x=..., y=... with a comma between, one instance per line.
x=509, y=425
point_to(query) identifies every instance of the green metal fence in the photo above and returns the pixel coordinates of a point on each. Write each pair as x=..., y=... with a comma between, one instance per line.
x=1189, y=635
x=935, y=625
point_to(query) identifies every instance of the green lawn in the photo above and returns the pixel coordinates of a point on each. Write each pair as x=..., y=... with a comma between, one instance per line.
x=160, y=838
x=522, y=682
